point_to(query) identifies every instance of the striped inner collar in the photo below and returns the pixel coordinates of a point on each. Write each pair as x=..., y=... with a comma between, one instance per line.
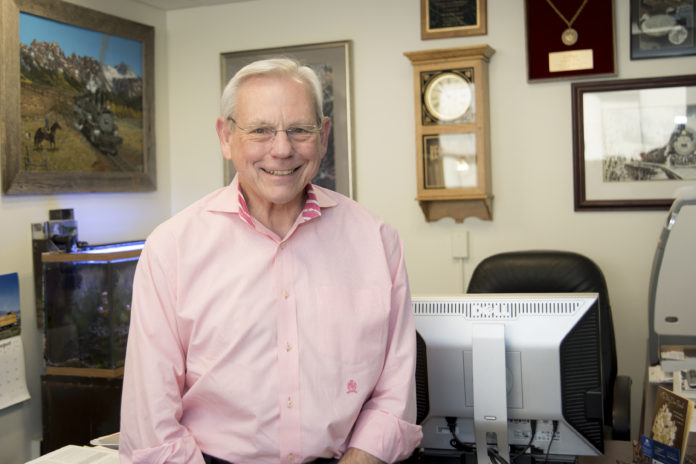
x=311, y=207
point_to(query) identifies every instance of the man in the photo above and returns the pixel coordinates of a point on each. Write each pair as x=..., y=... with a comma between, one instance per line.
x=272, y=319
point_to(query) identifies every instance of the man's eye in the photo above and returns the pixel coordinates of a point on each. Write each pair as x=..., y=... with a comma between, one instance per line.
x=298, y=131
x=261, y=131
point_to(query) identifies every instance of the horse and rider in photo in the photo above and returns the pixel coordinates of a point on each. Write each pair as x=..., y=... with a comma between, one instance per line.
x=46, y=133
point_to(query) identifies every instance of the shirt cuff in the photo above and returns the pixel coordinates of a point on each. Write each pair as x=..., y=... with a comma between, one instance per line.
x=385, y=436
x=184, y=450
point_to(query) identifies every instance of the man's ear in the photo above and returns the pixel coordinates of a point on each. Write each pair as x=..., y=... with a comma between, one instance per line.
x=325, y=130
x=223, y=130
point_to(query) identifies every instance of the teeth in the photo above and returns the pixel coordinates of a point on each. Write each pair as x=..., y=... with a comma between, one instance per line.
x=280, y=173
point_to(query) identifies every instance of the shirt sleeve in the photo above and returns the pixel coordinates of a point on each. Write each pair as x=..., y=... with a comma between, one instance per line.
x=151, y=406
x=386, y=426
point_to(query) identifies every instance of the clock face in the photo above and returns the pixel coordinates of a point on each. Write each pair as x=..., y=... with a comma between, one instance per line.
x=448, y=96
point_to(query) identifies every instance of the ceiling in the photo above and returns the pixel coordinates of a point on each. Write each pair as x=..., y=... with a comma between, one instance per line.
x=181, y=4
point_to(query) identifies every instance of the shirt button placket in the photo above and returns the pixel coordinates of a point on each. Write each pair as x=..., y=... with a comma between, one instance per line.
x=288, y=361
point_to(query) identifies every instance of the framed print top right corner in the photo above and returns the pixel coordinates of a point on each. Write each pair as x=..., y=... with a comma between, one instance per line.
x=634, y=142
x=662, y=28
x=568, y=39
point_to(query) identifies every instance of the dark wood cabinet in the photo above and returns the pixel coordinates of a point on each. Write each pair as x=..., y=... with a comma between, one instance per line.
x=77, y=409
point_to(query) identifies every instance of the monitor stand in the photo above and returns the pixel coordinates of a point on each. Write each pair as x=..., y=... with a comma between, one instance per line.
x=490, y=390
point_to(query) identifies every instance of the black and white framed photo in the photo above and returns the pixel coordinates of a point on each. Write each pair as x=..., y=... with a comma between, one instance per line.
x=662, y=28
x=634, y=142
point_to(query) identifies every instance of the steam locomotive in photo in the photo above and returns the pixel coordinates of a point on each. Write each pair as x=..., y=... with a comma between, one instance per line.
x=93, y=117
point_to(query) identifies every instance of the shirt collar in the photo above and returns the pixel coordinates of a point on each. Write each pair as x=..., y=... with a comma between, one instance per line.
x=231, y=200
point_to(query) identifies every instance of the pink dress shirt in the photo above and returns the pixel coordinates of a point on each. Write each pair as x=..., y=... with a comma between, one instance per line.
x=256, y=348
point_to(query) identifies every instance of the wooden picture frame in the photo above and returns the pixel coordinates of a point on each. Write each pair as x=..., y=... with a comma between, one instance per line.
x=663, y=28
x=331, y=61
x=452, y=18
x=634, y=142
x=77, y=92
x=569, y=39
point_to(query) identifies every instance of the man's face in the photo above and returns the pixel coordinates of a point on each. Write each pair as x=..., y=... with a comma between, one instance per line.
x=274, y=171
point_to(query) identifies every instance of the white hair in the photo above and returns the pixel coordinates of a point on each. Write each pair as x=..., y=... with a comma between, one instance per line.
x=274, y=67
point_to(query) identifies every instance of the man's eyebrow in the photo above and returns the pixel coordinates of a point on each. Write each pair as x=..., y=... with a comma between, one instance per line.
x=264, y=123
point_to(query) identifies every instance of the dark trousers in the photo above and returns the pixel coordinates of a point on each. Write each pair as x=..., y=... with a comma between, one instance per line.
x=214, y=460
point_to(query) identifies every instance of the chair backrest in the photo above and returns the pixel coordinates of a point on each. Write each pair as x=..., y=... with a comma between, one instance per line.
x=549, y=271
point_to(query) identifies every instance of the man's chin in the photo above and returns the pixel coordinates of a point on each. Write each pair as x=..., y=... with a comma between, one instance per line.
x=283, y=197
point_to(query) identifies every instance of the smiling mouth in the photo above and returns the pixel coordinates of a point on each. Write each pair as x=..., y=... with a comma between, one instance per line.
x=285, y=172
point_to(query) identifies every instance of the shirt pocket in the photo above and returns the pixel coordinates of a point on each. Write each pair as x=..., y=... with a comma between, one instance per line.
x=351, y=324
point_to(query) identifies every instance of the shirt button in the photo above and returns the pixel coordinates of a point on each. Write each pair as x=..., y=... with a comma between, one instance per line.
x=286, y=294
x=289, y=403
x=291, y=458
x=288, y=347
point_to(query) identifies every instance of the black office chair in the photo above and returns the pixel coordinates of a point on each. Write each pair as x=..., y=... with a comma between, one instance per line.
x=548, y=271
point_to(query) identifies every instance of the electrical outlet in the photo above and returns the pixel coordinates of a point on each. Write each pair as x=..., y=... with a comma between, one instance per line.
x=460, y=245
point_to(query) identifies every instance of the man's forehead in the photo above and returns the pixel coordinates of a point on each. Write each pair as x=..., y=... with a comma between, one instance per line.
x=254, y=94
x=264, y=80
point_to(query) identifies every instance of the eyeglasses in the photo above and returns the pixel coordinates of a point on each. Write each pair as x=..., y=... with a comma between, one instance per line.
x=265, y=134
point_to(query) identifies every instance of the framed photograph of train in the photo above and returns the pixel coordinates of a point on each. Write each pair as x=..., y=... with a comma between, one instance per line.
x=663, y=28
x=331, y=62
x=634, y=142
x=77, y=89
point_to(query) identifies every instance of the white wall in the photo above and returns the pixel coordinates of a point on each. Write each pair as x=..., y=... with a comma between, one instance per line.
x=531, y=156
x=531, y=141
x=101, y=218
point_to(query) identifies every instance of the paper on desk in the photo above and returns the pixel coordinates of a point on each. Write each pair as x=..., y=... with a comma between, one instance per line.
x=657, y=375
x=673, y=354
x=73, y=454
x=108, y=441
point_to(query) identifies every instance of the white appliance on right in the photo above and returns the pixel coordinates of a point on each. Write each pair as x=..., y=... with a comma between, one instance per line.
x=672, y=293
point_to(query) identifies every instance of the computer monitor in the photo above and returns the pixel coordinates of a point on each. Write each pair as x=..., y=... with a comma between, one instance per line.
x=512, y=374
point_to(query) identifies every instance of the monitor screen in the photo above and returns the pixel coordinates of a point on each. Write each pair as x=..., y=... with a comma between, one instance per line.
x=516, y=374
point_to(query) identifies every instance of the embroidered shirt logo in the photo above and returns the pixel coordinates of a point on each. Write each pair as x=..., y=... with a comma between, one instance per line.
x=352, y=387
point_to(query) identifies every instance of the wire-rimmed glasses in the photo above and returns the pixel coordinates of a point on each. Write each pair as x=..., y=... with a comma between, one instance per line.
x=298, y=133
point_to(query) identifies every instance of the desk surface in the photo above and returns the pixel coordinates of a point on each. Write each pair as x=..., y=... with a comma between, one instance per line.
x=614, y=450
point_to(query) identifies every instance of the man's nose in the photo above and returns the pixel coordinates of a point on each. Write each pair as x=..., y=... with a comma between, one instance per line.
x=281, y=144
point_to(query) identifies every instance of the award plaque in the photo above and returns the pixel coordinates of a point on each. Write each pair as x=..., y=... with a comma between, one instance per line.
x=452, y=18
x=569, y=38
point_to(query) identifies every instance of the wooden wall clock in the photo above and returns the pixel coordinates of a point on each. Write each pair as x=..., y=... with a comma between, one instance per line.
x=452, y=132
